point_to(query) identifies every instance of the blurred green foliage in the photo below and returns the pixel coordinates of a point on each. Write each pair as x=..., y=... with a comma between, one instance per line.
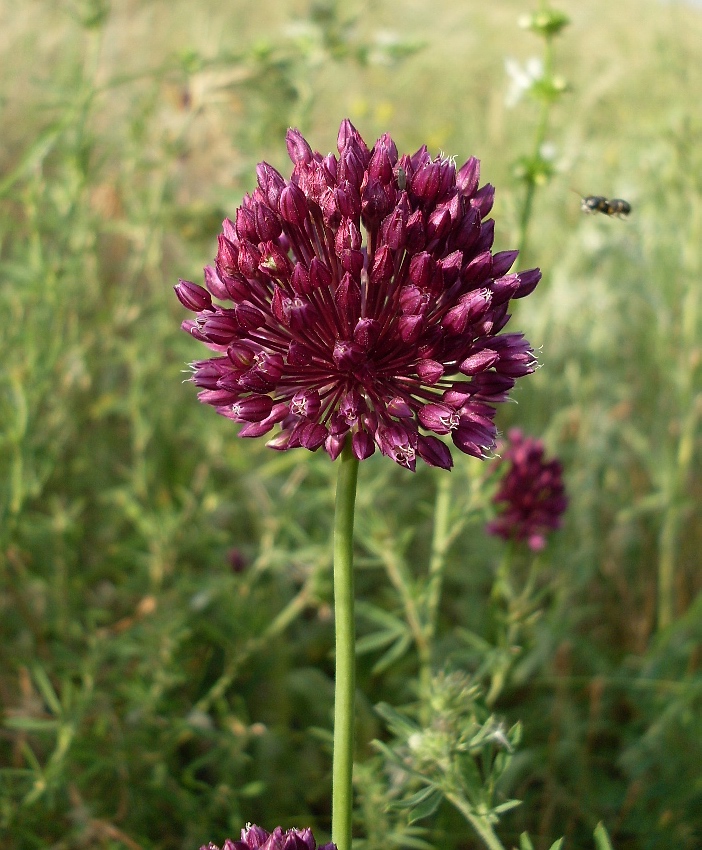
x=165, y=669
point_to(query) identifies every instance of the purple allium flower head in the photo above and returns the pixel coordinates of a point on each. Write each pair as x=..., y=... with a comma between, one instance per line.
x=531, y=494
x=365, y=303
x=237, y=560
x=255, y=838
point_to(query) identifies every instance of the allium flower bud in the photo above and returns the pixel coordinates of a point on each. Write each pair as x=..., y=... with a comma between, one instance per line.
x=468, y=177
x=215, y=284
x=298, y=148
x=531, y=497
x=426, y=182
x=367, y=306
x=271, y=183
x=268, y=224
x=293, y=205
x=227, y=258
x=192, y=296
x=246, y=224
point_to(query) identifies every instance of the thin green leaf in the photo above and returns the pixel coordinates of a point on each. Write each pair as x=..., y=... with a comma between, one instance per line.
x=474, y=640
x=426, y=807
x=30, y=758
x=321, y=734
x=507, y=806
x=396, y=651
x=394, y=759
x=253, y=789
x=377, y=640
x=33, y=156
x=32, y=724
x=397, y=722
x=404, y=841
x=525, y=842
x=602, y=838
x=416, y=799
x=47, y=689
x=381, y=617
x=389, y=754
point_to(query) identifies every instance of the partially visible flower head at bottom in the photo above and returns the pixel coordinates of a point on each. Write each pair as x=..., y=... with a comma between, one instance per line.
x=255, y=838
x=531, y=497
x=366, y=304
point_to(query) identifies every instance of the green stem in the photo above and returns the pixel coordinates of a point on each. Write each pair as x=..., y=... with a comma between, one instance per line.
x=400, y=580
x=480, y=824
x=502, y=594
x=439, y=546
x=673, y=517
x=679, y=475
x=524, y=220
x=342, y=793
x=539, y=139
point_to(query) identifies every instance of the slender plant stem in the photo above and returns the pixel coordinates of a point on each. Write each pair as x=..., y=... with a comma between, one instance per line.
x=524, y=220
x=689, y=401
x=231, y=669
x=502, y=594
x=540, y=137
x=673, y=517
x=400, y=579
x=439, y=546
x=480, y=824
x=342, y=792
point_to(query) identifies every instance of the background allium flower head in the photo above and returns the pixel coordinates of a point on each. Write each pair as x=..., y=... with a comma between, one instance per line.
x=255, y=838
x=531, y=495
x=365, y=304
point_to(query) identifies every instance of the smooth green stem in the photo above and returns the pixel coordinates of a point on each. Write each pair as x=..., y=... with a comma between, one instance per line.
x=342, y=792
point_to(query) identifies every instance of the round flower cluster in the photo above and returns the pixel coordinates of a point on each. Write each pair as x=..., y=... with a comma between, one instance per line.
x=531, y=495
x=366, y=304
x=255, y=838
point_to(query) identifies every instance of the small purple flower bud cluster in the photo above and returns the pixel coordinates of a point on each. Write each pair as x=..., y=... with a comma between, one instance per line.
x=531, y=495
x=255, y=838
x=366, y=305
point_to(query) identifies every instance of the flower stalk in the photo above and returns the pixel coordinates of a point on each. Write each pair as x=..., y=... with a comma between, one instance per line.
x=535, y=169
x=359, y=306
x=342, y=794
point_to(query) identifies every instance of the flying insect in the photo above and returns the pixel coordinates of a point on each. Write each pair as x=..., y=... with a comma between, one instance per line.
x=614, y=207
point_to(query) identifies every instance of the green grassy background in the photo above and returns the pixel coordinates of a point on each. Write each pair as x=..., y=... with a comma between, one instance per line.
x=153, y=694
